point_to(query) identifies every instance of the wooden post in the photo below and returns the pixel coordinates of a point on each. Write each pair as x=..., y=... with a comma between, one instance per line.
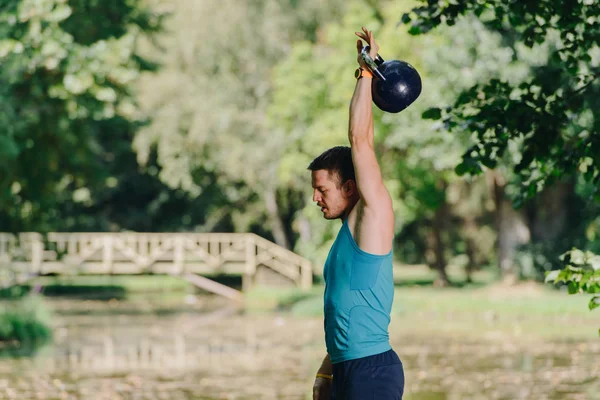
x=306, y=275
x=250, y=269
x=107, y=253
x=32, y=241
x=37, y=253
x=72, y=248
x=178, y=254
x=6, y=244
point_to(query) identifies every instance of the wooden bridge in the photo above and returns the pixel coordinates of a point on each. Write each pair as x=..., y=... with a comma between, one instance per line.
x=193, y=256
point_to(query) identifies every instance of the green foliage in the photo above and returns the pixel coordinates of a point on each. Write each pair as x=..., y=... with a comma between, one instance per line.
x=551, y=113
x=550, y=117
x=225, y=128
x=26, y=322
x=581, y=274
x=66, y=107
x=209, y=105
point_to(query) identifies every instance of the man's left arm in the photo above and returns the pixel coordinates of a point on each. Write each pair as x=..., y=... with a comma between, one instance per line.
x=369, y=181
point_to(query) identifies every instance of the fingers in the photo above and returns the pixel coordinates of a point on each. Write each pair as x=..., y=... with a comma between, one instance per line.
x=367, y=36
x=359, y=46
x=372, y=42
x=362, y=36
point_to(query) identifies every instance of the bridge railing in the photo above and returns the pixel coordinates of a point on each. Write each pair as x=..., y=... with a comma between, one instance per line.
x=137, y=253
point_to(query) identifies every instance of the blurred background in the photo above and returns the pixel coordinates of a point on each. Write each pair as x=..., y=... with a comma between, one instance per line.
x=157, y=234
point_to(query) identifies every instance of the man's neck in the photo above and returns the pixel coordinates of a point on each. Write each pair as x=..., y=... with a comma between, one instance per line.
x=349, y=209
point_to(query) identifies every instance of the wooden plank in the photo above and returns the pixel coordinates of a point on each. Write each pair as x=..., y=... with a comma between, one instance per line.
x=212, y=286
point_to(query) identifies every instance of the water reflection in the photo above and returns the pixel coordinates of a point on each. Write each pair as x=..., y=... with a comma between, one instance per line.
x=207, y=349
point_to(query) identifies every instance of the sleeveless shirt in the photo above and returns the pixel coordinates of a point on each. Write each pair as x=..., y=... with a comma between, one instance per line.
x=359, y=291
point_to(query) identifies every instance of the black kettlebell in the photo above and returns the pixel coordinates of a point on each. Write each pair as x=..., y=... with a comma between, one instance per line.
x=396, y=84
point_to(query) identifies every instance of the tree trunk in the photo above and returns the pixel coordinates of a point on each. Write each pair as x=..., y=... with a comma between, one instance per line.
x=438, y=243
x=549, y=213
x=436, y=250
x=275, y=219
x=470, y=227
x=304, y=229
x=290, y=201
x=512, y=230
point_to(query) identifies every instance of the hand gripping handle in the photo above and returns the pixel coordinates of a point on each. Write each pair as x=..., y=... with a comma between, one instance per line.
x=372, y=64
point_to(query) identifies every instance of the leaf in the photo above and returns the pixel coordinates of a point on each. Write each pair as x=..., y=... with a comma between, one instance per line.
x=593, y=288
x=461, y=169
x=415, y=30
x=585, y=278
x=573, y=287
x=432, y=113
x=578, y=257
x=594, y=302
x=588, y=175
x=552, y=275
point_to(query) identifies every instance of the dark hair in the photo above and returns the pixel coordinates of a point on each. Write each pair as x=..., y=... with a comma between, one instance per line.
x=337, y=160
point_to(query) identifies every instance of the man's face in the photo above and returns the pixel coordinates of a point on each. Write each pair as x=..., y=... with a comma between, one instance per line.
x=326, y=193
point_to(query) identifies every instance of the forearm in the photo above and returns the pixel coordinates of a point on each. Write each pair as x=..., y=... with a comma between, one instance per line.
x=361, y=112
x=326, y=366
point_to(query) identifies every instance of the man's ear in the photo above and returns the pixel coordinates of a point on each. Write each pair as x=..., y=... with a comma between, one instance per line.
x=349, y=188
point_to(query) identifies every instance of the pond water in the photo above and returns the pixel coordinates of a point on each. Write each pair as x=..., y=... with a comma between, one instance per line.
x=207, y=349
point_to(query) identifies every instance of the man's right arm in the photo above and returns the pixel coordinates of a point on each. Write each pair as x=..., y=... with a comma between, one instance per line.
x=322, y=386
x=326, y=366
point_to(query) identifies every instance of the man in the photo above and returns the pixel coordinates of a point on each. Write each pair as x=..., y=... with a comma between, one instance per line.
x=359, y=288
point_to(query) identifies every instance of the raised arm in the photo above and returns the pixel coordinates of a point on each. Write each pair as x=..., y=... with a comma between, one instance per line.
x=361, y=135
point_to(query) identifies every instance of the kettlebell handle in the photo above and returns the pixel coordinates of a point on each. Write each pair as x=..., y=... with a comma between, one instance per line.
x=373, y=65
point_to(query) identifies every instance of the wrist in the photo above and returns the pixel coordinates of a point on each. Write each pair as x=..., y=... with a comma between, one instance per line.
x=363, y=72
x=324, y=376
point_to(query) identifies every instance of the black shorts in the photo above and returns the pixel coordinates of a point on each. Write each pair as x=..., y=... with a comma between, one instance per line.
x=376, y=377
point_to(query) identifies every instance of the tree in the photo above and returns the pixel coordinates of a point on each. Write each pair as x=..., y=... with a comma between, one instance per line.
x=551, y=117
x=67, y=109
x=209, y=104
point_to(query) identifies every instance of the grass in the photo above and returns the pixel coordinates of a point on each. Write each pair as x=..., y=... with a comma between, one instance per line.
x=482, y=309
x=422, y=275
x=527, y=310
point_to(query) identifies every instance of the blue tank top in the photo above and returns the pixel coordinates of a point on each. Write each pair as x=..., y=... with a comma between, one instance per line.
x=359, y=291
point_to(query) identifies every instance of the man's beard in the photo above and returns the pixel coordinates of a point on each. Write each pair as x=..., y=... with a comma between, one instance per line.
x=332, y=216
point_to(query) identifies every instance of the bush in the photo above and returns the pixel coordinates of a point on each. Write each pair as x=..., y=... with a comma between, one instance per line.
x=24, y=323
